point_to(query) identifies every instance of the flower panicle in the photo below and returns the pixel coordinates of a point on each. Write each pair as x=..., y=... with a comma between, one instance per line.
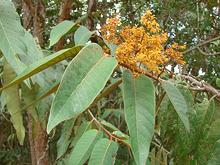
x=142, y=47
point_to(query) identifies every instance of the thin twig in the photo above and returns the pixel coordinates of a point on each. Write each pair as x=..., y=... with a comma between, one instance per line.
x=208, y=54
x=109, y=134
x=159, y=103
x=141, y=72
x=201, y=44
x=160, y=147
x=203, y=85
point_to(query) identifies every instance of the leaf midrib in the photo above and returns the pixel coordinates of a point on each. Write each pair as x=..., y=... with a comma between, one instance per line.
x=89, y=146
x=92, y=68
x=5, y=34
x=105, y=152
x=136, y=124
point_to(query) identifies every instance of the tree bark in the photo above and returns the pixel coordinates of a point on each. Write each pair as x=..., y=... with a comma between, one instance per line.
x=28, y=9
x=39, y=21
x=37, y=135
x=38, y=142
x=34, y=18
x=64, y=14
x=91, y=8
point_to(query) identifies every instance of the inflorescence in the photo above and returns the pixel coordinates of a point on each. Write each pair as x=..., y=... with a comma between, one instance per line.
x=142, y=47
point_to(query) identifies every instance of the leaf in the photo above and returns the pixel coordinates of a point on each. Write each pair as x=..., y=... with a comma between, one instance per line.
x=210, y=109
x=218, y=82
x=111, y=46
x=82, y=35
x=12, y=35
x=13, y=102
x=65, y=138
x=84, y=126
x=60, y=30
x=18, y=46
x=43, y=64
x=44, y=94
x=119, y=113
x=83, y=80
x=104, y=153
x=139, y=109
x=107, y=91
x=214, y=131
x=83, y=148
x=187, y=96
x=178, y=102
x=121, y=135
x=109, y=125
x=28, y=96
x=33, y=50
x=215, y=158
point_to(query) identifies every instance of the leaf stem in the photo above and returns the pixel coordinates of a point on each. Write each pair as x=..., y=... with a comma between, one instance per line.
x=109, y=134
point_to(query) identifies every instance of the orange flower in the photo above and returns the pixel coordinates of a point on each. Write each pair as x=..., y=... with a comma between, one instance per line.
x=141, y=47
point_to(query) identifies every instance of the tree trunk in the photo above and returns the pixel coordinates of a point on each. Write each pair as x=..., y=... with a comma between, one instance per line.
x=91, y=8
x=64, y=14
x=27, y=15
x=39, y=21
x=37, y=134
x=34, y=19
x=34, y=16
x=38, y=142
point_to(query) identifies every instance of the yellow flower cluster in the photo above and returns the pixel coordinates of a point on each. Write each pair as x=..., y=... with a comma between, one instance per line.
x=174, y=53
x=141, y=47
x=150, y=22
x=110, y=30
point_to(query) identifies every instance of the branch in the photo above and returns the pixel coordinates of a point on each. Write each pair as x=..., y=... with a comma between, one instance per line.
x=91, y=8
x=28, y=13
x=39, y=21
x=65, y=10
x=30, y=6
x=208, y=54
x=203, y=86
x=109, y=134
x=64, y=14
x=201, y=44
x=141, y=71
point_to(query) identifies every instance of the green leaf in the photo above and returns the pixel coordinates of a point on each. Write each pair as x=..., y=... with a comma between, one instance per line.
x=83, y=148
x=13, y=102
x=17, y=45
x=104, y=153
x=83, y=80
x=12, y=35
x=214, y=131
x=52, y=89
x=80, y=130
x=60, y=30
x=120, y=135
x=215, y=158
x=109, y=125
x=107, y=91
x=139, y=107
x=43, y=64
x=65, y=138
x=218, y=82
x=82, y=35
x=119, y=113
x=208, y=108
x=178, y=102
x=28, y=95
